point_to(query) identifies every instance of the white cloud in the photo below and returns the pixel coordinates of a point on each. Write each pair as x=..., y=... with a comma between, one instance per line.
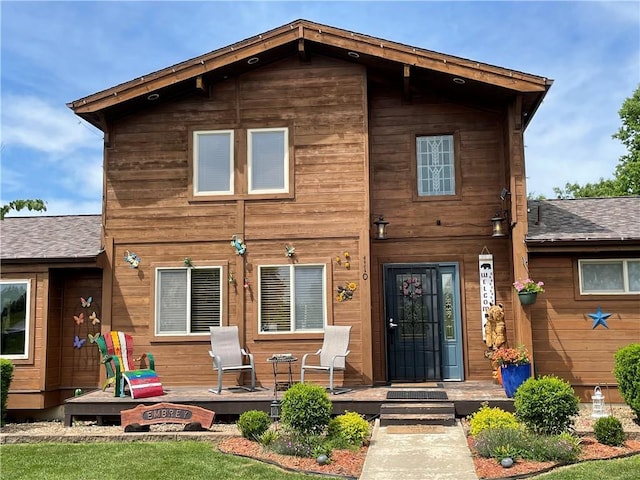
x=30, y=122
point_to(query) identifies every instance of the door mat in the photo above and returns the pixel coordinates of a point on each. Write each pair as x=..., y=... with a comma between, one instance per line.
x=418, y=385
x=424, y=429
x=417, y=395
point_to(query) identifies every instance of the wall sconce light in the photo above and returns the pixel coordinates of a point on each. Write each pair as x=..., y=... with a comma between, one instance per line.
x=498, y=226
x=500, y=229
x=381, y=228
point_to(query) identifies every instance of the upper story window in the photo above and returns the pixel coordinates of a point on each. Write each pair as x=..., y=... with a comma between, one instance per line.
x=292, y=298
x=213, y=162
x=14, y=318
x=609, y=277
x=436, y=165
x=188, y=300
x=268, y=160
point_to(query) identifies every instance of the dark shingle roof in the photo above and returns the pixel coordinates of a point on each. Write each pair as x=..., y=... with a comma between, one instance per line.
x=62, y=237
x=584, y=219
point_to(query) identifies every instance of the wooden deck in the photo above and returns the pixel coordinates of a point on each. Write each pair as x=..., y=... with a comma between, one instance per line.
x=466, y=396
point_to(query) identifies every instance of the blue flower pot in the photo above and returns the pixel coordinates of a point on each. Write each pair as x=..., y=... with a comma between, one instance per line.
x=513, y=376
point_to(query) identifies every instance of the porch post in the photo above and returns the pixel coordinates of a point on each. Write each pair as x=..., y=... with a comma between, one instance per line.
x=518, y=189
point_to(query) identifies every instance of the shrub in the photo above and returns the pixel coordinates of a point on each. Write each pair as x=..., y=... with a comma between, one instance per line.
x=627, y=372
x=300, y=445
x=501, y=442
x=351, y=427
x=268, y=437
x=563, y=448
x=253, y=423
x=609, y=431
x=546, y=405
x=306, y=409
x=6, y=375
x=495, y=417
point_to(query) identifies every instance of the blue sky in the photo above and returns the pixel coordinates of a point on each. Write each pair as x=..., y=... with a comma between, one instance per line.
x=56, y=52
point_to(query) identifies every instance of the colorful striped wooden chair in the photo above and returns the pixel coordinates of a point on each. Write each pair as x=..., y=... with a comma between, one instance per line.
x=116, y=349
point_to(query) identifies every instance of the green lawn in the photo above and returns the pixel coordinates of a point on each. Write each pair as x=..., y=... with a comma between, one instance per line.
x=132, y=461
x=620, y=469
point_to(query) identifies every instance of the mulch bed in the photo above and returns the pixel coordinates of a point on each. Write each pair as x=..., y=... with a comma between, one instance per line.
x=591, y=450
x=349, y=464
x=344, y=463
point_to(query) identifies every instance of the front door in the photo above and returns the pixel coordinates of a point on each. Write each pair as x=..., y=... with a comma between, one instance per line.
x=422, y=323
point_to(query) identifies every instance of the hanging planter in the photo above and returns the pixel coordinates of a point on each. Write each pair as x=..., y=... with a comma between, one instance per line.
x=528, y=290
x=528, y=298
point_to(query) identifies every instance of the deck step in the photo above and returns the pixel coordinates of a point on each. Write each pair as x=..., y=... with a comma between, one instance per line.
x=424, y=413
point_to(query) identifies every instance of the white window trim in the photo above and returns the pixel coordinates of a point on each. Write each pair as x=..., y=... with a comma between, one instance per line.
x=292, y=287
x=196, y=145
x=188, y=312
x=27, y=321
x=625, y=276
x=285, y=167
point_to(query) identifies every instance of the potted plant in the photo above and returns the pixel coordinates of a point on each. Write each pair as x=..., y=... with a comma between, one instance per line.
x=515, y=367
x=528, y=290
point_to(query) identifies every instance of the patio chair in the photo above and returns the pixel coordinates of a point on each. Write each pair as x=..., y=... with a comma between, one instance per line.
x=228, y=356
x=116, y=349
x=333, y=354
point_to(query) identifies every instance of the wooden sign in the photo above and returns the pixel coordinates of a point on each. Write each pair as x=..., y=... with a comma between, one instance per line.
x=144, y=415
x=487, y=287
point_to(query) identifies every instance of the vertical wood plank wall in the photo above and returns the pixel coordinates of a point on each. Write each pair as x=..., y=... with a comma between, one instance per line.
x=149, y=210
x=464, y=227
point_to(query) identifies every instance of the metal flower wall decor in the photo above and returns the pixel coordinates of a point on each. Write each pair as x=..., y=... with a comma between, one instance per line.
x=346, y=293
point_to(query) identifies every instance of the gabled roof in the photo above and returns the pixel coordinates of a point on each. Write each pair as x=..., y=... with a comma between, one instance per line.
x=305, y=39
x=58, y=238
x=584, y=220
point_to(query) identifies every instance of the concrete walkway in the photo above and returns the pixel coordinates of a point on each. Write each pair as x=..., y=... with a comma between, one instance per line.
x=414, y=452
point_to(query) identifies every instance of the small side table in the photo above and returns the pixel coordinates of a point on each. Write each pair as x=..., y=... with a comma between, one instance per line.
x=275, y=360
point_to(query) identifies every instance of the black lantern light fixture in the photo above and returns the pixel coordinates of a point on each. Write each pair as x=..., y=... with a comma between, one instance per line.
x=274, y=411
x=381, y=228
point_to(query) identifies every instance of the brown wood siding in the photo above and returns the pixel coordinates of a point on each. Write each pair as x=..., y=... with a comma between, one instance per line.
x=443, y=229
x=149, y=209
x=79, y=367
x=50, y=365
x=565, y=342
x=28, y=373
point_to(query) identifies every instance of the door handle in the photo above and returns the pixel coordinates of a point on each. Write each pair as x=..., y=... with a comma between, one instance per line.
x=391, y=324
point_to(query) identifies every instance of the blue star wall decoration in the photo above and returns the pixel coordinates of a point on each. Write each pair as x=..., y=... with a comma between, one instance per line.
x=599, y=318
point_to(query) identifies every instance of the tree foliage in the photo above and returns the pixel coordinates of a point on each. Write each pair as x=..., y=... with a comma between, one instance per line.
x=626, y=178
x=17, y=205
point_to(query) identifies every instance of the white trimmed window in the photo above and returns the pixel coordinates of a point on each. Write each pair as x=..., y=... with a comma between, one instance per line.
x=292, y=298
x=609, y=277
x=436, y=165
x=14, y=318
x=188, y=300
x=268, y=160
x=213, y=162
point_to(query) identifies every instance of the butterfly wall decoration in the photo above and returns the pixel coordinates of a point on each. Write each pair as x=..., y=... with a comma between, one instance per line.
x=93, y=338
x=86, y=303
x=78, y=342
x=79, y=319
x=94, y=319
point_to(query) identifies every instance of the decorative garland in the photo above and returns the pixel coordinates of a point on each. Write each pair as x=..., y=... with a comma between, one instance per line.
x=412, y=287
